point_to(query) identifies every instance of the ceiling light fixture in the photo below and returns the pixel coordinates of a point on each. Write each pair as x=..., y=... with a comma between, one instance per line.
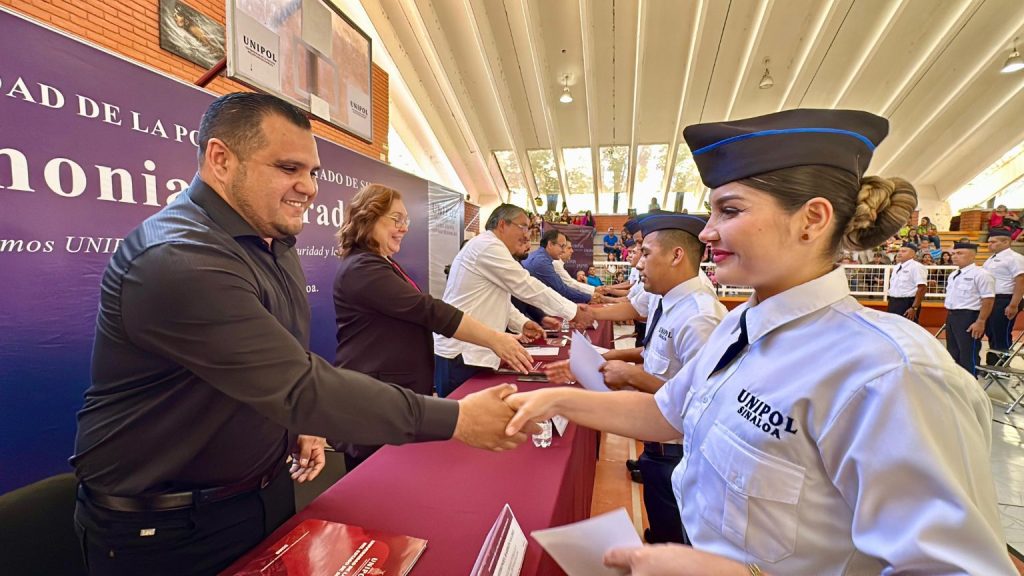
x=566, y=97
x=1014, y=61
x=766, y=80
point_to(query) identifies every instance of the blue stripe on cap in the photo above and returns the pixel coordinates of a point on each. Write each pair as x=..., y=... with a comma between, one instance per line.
x=861, y=137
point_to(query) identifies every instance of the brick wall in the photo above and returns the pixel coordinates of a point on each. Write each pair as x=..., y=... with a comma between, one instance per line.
x=131, y=28
x=472, y=218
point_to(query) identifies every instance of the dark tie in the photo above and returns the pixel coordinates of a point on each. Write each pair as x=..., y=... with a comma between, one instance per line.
x=652, y=325
x=735, y=348
x=898, y=268
x=953, y=277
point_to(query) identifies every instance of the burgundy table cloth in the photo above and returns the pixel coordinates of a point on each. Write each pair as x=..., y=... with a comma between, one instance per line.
x=450, y=494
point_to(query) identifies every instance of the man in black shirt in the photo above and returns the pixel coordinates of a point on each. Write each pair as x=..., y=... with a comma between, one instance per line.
x=202, y=379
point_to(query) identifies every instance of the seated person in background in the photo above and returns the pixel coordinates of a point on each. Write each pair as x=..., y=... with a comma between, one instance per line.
x=926, y=258
x=581, y=276
x=541, y=265
x=375, y=301
x=611, y=245
x=945, y=259
x=592, y=278
x=1001, y=217
x=926, y=231
x=484, y=277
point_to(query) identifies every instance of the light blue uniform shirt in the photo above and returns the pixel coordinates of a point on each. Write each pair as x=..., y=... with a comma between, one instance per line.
x=842, y=440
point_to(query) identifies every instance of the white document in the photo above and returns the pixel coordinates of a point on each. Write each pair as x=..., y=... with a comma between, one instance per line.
x=579, y=548
x=258, y=52
x=504, y=548
x=560, y=422
x=319, y=107
x=585, y=363
x=543, y=351
x=316, y=26
x=601, y=350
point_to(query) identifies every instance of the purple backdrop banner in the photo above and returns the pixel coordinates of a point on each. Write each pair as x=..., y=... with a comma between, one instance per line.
x=582, y=240
x=90, y=145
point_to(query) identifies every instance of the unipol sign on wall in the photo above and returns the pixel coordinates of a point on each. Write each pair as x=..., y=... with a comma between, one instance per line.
x=90, y=145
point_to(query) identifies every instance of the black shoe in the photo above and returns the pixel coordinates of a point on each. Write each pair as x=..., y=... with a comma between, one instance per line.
x=635, y=476
x=632, y=465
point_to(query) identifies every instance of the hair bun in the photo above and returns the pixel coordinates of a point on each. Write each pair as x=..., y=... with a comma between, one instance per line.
x=884, y=205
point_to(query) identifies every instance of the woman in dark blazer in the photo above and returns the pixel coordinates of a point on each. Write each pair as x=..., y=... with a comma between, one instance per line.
x=384, y=321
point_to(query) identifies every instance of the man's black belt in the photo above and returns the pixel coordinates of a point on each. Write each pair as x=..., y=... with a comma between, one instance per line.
x=176, y=500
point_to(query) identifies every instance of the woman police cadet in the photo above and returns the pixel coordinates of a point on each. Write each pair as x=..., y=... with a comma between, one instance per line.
x=384, y=321
x=819, y=437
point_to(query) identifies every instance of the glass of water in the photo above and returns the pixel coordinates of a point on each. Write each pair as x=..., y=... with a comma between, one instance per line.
x=542, y=439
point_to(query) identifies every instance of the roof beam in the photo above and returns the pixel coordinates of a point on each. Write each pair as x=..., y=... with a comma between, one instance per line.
x=673, y=148
x=539, y=74
x=931, y=55
x=590, y=85
x=483, y=37
x=895, y=9
x=824, y=15
x=641, y=25
x=444, y=82
x=754, y=40
x=993, y=58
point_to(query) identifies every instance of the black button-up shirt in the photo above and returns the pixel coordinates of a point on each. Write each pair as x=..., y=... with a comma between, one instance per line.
x=201, y=364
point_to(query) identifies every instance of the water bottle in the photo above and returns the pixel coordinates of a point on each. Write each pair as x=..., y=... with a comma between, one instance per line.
x=565, y=325
x=542, y=439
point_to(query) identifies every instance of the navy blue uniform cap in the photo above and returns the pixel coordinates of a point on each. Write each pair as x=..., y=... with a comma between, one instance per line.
x=964, y=245
x=911, y=245
x=728, y=151
x=632, y=225
x=994, y=232
x=685, y=222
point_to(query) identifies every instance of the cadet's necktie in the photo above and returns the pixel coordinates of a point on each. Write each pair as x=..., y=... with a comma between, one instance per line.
x=652, y=326
x=735, y=348
x=953, y=277
x=898, y=268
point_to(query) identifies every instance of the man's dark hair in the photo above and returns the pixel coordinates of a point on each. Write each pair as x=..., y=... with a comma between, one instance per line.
x=549, y=237
x=237, y=119
x=671, y=238
x=503, y=213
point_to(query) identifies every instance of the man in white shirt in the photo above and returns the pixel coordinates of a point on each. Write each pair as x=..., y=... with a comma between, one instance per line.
x=908, y=283
x=559, y=264
x=1007, y=267
x=970, y=294
x=483, y=278
x=682, y=312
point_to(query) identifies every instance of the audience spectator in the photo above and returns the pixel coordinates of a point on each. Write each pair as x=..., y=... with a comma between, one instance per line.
x=1001, y=217
x=612, y=249
x=927, y=231
x=581, y=276
x=945, y=259
x=926, y=258
x=592, y=278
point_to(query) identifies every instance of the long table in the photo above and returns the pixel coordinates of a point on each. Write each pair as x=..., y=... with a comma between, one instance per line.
x=450, y=494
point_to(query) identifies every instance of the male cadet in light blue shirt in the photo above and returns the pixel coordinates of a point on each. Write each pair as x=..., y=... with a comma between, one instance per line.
x=540, y=264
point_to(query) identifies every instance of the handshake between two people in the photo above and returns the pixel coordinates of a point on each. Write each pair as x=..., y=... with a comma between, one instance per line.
x=500, y=418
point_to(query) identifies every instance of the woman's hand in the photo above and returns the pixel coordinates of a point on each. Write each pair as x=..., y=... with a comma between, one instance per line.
x=672, y=560
x=508, y=348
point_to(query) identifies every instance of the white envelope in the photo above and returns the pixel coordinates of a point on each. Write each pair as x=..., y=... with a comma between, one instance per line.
x=579, y=548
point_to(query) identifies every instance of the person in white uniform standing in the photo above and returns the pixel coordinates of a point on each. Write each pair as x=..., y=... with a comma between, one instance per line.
x=908, y=283
x=819, y=436
x=1007, y=267
x=970, y=294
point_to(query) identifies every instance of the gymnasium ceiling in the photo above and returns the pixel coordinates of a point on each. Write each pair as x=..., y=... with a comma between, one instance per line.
x=488, y=75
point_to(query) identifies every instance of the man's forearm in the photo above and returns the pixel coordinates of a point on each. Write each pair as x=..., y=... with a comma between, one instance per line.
x=617, y=312
x=986, y=309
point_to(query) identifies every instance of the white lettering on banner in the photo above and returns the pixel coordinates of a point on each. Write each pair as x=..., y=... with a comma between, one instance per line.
x=335, y=177
x=30, y=246
x=91, y=245
x=67, y=179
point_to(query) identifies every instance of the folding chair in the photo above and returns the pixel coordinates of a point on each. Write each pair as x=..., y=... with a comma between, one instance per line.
x=1001, y=370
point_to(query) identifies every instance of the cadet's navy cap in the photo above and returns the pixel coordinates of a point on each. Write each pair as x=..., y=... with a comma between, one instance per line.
x=994, y=232
x=964, y=245
x=629, y=242
x=632, y=225
x=912, y=246
x=671, y=221
x=728, y=151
